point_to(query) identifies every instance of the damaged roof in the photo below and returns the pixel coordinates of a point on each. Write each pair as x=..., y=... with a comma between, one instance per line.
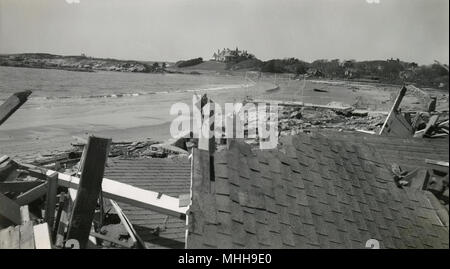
x=170, y=176
x=313, y=192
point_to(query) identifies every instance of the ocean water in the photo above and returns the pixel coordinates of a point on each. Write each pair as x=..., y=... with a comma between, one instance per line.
x=61, y=84
x=122, y=106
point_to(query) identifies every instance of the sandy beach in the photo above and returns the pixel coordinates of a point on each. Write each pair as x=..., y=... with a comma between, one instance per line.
x=46, y=124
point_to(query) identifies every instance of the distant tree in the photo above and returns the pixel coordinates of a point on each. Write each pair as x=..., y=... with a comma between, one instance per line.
x=190, y=62
x=163, y=65
x=155, y=65
x=300, y=69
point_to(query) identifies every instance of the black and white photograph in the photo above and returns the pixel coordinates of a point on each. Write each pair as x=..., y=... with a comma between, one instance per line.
x=224, y=124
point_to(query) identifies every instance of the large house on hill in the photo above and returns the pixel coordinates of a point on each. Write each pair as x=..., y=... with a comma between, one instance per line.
x=227, y=55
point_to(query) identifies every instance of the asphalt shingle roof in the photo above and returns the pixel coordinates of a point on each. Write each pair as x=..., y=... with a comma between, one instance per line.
x=313, y=192
x=168, y=176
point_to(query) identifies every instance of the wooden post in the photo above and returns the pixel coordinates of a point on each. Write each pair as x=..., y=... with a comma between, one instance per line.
x=212, y=141
x=24, y=214
x=12, y=104
x=50, y=204
x=93, y=167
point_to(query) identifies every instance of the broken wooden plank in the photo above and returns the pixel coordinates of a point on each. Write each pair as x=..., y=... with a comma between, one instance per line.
x=42, y=236
x=26, y=236
x=12, y=104
x=32, y=195
x=9, y=211
x=92, y=170
x=4, y=158
x=19, y=186
x=50, y=204
x=440, y=163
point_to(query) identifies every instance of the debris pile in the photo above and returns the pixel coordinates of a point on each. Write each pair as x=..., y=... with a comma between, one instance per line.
x=293, y=120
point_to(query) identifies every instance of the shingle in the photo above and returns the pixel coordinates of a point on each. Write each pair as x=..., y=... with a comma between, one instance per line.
x=224, y=223
x=263, y=234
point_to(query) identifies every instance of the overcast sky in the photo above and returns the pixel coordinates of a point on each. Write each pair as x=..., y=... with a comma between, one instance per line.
x=170, y=30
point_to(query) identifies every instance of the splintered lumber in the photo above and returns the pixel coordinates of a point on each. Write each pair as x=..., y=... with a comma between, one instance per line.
x=19, y=186
x=32, y=195
x=42, y=236
x=93, y=167
x=50, y=204
x=12, y=104
x=9, y=210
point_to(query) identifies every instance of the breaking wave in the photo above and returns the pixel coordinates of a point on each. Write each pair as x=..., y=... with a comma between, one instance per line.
x=137, y=94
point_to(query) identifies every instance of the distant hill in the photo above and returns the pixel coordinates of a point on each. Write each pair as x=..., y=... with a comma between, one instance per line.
x=75, y=63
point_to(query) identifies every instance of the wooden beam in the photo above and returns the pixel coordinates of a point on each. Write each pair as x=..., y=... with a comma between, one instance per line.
x=123, y=193
x=93, y=167
x=42, y=236
x=31, y=195
x=19, y=186
x=72, y=196
x=9, y=210
x=50, y=204
x=12, y=104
